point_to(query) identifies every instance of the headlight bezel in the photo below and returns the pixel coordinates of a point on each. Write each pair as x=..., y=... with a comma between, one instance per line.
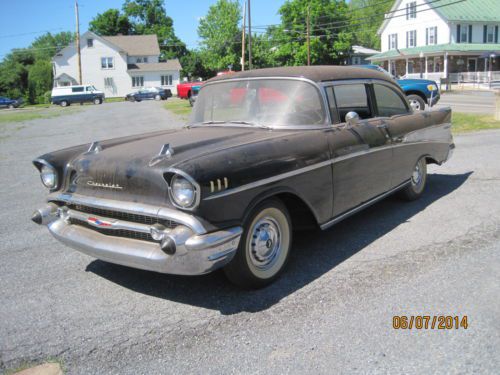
x=178, y=174
x=432, y=87
x=43, y=164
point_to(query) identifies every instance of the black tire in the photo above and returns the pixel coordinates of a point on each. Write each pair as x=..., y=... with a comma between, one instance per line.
x=416, y=187
x=97, y=101
x=191, y=101
x=264, y=247
x=158, y=97
x=64, y=103
x=416, y=102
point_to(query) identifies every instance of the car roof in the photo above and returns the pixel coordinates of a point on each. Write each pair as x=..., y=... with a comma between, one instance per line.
x=319, y=73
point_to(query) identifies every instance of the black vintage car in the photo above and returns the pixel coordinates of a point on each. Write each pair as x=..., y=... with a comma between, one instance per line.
x=266, y=151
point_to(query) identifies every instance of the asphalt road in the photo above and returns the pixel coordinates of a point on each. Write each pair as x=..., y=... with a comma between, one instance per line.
x=331, y=312
x=478, y=102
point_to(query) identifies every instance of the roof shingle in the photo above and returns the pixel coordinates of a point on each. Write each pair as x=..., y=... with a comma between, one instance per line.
x=172, y=64
x=136, y=45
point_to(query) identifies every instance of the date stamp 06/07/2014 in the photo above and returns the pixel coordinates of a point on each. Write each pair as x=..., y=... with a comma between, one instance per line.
x=430, y=322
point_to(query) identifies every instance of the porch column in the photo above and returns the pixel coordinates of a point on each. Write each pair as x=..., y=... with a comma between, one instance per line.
x=406, y=67
x=445, y=65
x=426, y=69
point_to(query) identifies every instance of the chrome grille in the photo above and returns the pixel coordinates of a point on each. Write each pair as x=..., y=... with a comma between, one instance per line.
x=115, y=232
x=119, y=215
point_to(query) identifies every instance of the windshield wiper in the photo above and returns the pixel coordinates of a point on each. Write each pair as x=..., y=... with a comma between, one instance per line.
x=241, y=122
x=213, y=122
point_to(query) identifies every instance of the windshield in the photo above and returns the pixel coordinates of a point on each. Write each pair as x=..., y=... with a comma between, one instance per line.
x=262, y=102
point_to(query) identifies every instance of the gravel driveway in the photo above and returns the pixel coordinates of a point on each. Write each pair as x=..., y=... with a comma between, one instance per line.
x=330, y=313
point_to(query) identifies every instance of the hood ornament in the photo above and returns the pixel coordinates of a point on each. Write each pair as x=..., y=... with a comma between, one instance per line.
x=166, y=152
x=94, y=148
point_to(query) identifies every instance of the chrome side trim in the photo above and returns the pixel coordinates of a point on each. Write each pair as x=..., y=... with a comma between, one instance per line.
x=132, y=208
x=362, y=206
x=268, y=180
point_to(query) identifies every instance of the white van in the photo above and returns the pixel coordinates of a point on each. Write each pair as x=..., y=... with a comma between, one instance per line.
x=67, y=95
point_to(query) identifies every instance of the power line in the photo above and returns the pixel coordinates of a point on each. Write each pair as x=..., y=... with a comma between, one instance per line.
x=29, y=33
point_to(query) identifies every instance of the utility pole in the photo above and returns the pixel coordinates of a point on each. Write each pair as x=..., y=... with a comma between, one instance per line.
x=308, y=35
x=78, y=44
x=249, y=38
x=243, y=31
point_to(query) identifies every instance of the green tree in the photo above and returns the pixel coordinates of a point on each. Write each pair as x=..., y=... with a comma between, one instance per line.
x=111, y=22
x=330, y=38
x=14, y=73
x=150, y=17
x=39, y=80
x=193, y=66
x=366, y=18
x=220, y=34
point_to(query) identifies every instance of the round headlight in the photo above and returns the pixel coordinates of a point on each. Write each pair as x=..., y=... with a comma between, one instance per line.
x=183, y=191
x=49, y=176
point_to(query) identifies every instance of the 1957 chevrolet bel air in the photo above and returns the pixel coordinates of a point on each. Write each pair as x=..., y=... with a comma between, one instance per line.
x=265, y=151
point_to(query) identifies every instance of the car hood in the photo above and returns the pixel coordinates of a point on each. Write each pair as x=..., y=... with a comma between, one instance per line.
x=416, y=82
x=133, y=167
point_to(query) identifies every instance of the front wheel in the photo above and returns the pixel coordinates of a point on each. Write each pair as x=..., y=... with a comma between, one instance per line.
x=157, y=97
x=264, y=246
x=416, y=102
x=417, y=182
x=97, y=101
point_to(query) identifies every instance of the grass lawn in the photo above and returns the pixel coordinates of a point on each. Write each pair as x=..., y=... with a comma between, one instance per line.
x=178, y=106
x=10, y=116
x=464, y=122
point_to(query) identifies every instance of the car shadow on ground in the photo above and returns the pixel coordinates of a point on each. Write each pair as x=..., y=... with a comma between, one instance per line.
x=314, y=253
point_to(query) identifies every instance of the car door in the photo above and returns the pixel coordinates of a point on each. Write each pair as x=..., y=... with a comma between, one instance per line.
x=361, y=151
x=394, y=112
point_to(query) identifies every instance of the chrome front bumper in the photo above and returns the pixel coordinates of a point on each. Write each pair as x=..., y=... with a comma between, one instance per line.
x=196, y=251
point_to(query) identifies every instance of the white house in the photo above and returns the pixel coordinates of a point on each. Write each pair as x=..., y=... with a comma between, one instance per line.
x=117, y=65
x=442, y=38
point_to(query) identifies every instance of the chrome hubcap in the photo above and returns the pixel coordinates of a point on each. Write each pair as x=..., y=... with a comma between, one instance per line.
x=266, y=243
x=416, y=177
x=415, y=105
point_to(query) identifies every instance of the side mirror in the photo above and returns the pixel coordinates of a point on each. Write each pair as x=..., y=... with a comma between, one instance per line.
x=352, y=118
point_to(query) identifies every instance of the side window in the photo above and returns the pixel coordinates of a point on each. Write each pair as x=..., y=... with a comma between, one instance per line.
x=77, y=89
x=352, y=98
x=389, y=103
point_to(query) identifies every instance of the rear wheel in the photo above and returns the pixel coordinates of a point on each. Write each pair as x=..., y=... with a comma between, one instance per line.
x=416, y=102
x=157, y=97
x=417, y=182
x=11, y=106
x=64, y=103
x=264, y=246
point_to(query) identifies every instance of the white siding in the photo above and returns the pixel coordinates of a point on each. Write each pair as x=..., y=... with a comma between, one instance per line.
x=477, y=31
x=92, y=73
x=153, y=79
x=424, y=19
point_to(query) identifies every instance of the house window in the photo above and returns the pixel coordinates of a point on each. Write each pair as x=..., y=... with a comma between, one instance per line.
x=107, y=63
x=137, y=81
x=145, y=59
x=431, y=35
x=464, y=34
x=411, y=10
x=490, y=34
x=166, y=80
x=393, y=41
x=90, y=43
x=108, y=82
x=411, y=38
x=138, y=60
